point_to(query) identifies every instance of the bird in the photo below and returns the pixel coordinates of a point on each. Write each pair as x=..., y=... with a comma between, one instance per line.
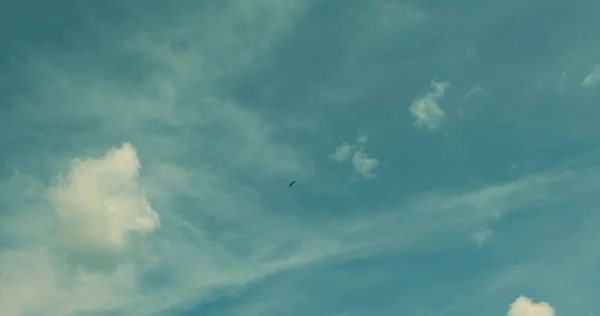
x=292, y=183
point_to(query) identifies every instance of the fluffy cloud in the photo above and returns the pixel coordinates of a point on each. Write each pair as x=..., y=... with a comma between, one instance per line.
x=426, y=109
x=593, y=77
x=524, y=306
x=363, y=164
x=99, y=204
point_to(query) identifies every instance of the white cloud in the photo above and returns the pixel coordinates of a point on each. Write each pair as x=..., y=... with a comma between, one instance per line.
x=524, y=306
x=593, y=77
x=482, y=236
x=342, y=152
x=100, y=203
x=362, y=163
x=426, y=109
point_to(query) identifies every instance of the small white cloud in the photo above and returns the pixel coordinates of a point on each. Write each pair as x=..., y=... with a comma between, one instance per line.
x=364, y=165
x=342, y=152
x=482, y=236
x=593, y=77
x=99, y=202
x=361, y=162
x=426, y=110
x=524, y=306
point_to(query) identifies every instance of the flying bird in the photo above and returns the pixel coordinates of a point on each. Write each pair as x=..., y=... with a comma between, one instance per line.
x=292, y=183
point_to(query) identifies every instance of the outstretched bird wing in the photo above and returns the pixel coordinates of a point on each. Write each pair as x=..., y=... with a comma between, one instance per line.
x=291, y=183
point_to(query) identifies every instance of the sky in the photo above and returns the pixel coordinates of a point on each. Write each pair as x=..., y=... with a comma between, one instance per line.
x=446, y=157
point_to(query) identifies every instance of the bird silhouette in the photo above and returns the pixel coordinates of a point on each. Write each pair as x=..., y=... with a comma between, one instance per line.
x=292, y=183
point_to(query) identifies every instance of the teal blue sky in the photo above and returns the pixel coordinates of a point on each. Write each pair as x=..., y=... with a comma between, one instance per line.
x=445, y=153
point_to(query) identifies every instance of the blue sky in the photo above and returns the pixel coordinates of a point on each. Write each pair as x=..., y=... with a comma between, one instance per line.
x=445, y=152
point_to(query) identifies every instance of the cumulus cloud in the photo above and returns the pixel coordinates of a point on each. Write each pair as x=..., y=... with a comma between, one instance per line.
x=524, y=306
x=100, y=203
x=426, y=109
x=593, y=77
x=482, y=236
x=363, y=164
